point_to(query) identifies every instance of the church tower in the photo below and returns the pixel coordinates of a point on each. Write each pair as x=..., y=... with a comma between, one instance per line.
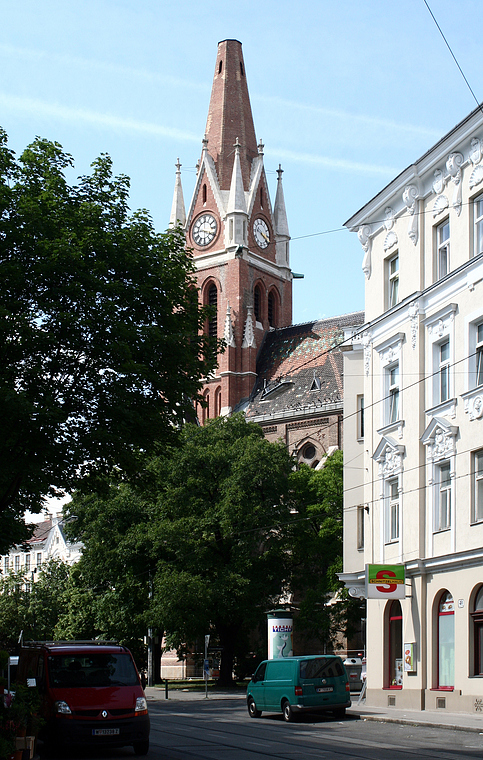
x=240, y=244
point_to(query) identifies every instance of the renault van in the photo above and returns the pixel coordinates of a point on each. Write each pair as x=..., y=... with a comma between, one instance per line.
x=292, y=685
x=90, y=694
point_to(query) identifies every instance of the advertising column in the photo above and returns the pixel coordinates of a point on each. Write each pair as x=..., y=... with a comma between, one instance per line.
x=280, y=634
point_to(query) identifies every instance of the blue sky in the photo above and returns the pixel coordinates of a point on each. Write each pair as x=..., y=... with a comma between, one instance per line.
x=344, y=95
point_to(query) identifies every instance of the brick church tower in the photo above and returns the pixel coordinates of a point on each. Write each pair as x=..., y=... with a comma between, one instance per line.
x=240, y=244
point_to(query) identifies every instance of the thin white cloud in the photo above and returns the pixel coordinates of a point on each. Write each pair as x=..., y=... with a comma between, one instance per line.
x=40, y=109
x=331, y=162
x=351, y=117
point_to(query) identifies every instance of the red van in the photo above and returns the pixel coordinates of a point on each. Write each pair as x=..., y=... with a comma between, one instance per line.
x=91, y=693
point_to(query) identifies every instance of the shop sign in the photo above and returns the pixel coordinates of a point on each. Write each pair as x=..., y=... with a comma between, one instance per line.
x=385, y=582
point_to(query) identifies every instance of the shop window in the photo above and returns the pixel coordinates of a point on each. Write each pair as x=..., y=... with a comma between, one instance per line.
x=477, y=616
x=395, y=646
x=446, y=641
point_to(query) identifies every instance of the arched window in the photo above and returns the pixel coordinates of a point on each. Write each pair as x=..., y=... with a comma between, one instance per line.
x=213, y=301
x=395, y=646
x=206, y=409
x=271, y=309
x=217, y=410
x=446, y=641
x=477, y=616
x=257, y=303
x=220, y=67
x=204, y=193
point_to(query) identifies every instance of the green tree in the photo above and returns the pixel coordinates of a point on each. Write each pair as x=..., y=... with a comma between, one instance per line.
x=204, y=534
x=100, y=330
x=317, y=554
x=32, y=607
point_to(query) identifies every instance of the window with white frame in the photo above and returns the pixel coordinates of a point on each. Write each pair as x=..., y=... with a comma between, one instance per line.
x=393, y=281
x=477, y=486
x=360, y=417
x=6, y=564
x=27, y=561
x=443, y=370
x=39, y=559
x=479, y=354
x=17, y=563
x=360, y=527
x=478, y=220
x=443, y=497
x=442, y=250
x=392, y=396
x=393, y=510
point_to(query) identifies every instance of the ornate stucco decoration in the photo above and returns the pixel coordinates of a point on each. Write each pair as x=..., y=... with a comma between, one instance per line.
x=391, y=237
x=441, y=203
x=413, y=314
x=441, y=326
x=389, y=456
x=410, y=198
x=476, y=175
x=439, y=439
x=228, y=334
x=248, y=334
x=366, y=341
x=453, y=165
x=364, y=235
x=474, y=406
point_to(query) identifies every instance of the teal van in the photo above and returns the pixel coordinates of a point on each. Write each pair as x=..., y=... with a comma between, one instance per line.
x=292, y=685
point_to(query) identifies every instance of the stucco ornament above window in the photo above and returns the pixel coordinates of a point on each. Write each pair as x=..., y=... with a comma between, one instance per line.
x=439, y=439
x=364, y=235
x=453, y=165
x=389, y=456
x=474, y=406
x=410, y=197
x=391, y=237
x=476, y=176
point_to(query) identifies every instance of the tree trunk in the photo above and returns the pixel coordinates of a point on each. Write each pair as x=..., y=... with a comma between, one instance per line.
x=227, y=634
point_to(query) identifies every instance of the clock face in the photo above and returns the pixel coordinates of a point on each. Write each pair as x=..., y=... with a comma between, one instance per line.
x=204, y=229
x=261, y=232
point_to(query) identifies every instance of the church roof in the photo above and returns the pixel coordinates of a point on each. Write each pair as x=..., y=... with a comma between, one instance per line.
x=299, y=368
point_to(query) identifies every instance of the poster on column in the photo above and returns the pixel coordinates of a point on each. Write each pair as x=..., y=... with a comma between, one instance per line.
x=385, y=581
x=280, y=636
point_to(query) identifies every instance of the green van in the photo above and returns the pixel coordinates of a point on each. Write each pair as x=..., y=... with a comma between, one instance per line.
x=292, y=685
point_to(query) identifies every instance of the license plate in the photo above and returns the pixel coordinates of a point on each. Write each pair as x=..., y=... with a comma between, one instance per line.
x=321, y=689
x=105, y=731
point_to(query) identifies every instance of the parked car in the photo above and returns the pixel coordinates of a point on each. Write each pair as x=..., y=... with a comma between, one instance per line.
x=292, y=685
x=90, y=693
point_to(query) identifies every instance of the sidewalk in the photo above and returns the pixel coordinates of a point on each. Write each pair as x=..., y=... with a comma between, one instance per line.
x=438, y=719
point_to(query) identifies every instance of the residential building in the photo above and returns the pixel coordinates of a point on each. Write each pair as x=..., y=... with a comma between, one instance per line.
x=413, y=428
x=48, y=542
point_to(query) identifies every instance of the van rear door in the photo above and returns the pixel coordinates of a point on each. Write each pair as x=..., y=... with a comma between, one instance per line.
x=323, y=681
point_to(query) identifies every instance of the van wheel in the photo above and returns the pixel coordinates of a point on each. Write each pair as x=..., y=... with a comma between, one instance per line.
x=287, y=711
x=253, y=712
x=141, y=748
x=339, y=713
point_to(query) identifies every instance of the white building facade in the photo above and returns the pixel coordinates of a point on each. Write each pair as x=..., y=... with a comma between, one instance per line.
x=413, y=423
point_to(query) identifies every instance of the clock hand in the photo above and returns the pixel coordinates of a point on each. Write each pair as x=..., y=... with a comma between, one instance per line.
x=266, y=238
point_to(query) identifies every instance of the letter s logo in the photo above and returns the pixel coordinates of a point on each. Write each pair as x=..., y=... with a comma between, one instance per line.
x=387, y=588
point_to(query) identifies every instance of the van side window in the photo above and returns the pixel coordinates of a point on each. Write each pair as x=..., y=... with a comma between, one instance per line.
x=260, y=672
x=321, y=667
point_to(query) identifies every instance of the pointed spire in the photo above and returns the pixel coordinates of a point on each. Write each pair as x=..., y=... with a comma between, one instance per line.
x=178, y=213
x=236, y=199
x=230, y=114
x=248, y=334
x=279, y=212
x=229, y=335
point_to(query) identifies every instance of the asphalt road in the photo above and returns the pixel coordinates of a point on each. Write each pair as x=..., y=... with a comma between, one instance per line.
x=222, y=730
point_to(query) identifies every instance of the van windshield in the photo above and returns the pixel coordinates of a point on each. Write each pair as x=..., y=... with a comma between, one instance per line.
x=91, y=669
x=321, y=667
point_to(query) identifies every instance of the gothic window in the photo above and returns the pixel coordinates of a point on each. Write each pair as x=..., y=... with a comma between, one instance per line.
x=220, y=67
x=217, y=402
x=257, y=303
x=213, y=302
x=446, y=641
x=271, y=309
x=309, y=452
x=206, y=408
x=204, y=193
